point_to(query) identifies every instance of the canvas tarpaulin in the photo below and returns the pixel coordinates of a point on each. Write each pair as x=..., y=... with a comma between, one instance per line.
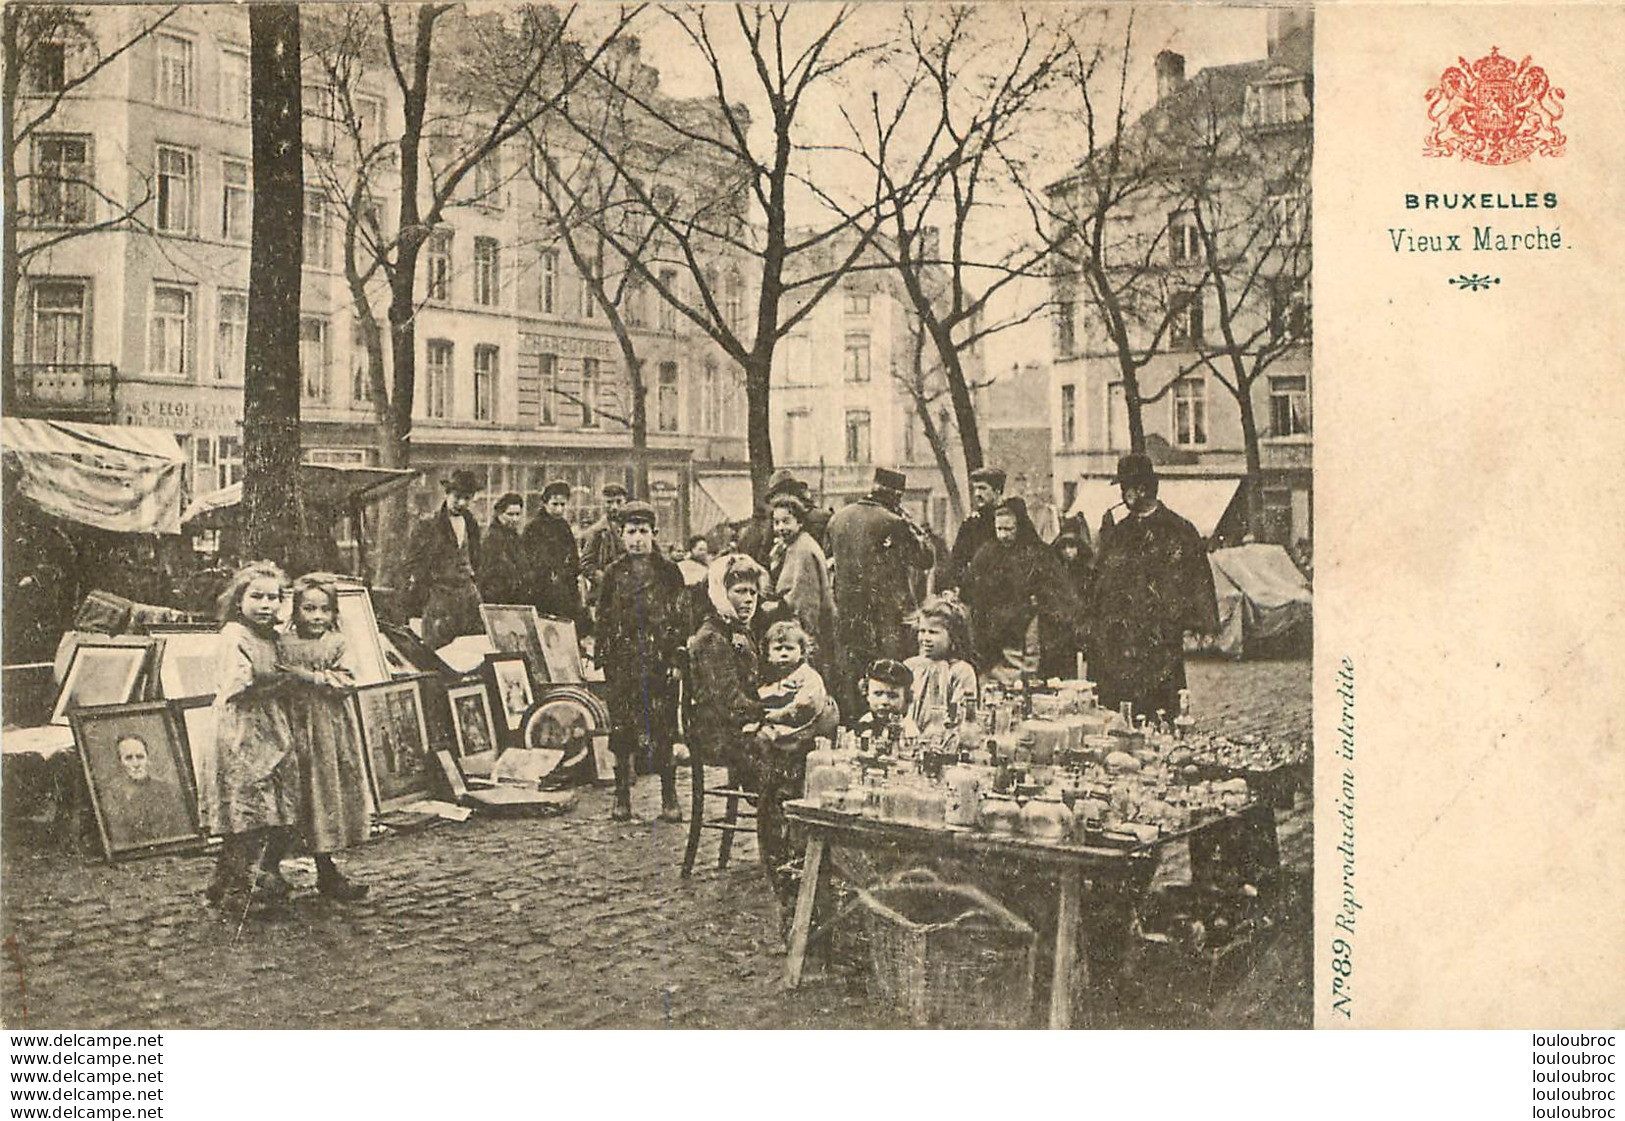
x=117, y=477
x=721, y=498
x=1261, y=595
x=1200, y=501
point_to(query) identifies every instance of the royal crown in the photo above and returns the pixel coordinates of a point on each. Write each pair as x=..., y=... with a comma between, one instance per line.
x=1494, y=68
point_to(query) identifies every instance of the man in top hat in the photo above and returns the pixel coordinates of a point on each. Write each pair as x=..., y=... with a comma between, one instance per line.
x=552, y=558
x=1152, y=583
x=876, y=551
x=442, y=556
x=986, y=489
x=601, y=544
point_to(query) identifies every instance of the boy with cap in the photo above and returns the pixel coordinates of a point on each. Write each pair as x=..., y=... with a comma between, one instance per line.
x=553, y=560
x=986, y=488
x=442, y=556
x=601, y=544
x=642, y=622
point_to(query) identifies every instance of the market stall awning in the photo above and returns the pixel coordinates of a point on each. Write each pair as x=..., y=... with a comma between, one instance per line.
x=122, y=478
x=1200, y=501
x=721, y=498
x=321, y=484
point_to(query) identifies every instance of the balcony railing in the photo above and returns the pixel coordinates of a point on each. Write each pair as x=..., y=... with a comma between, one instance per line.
x=65, y=390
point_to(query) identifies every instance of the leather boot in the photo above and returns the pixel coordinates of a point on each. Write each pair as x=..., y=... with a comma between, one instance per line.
x=670, y=809
x=623, y=790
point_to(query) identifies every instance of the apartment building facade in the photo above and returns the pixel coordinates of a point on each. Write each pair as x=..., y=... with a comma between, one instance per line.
x=518, y=374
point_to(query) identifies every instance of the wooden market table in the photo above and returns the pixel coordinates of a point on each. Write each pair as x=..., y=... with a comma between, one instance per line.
x=1078, y=868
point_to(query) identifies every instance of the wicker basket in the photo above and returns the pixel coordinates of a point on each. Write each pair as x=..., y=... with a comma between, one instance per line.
x=948, y=955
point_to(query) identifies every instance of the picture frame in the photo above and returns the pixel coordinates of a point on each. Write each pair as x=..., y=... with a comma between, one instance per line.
x=472, y=723
x=101, y=673
x=197, y=717
x=358, y=623
x=561, y=650
x=512, y=693
x=394, y=739
x=412, y=651
x=139, y=777
x=516, y=628
x=188, y=661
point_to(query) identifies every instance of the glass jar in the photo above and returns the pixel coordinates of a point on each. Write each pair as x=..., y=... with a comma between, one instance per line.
x=1046, y=818
x=998, y=814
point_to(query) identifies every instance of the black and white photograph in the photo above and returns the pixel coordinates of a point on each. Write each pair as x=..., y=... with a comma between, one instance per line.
x=471, y=720
x=139, y=777
x=101, y=674
x=396, y=740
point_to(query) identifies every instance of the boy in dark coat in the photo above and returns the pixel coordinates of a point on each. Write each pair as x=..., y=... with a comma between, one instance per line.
x=442, y=556
x=642, y=616
x=553, y=558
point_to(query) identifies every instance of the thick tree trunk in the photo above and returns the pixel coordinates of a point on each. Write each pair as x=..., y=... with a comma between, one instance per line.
x=758, y=422
x=272, y=380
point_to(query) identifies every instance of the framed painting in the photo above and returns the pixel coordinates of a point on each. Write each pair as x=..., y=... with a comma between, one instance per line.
x=139, y=777
x=100, y=674
x=359, y=626
x=507, y=677
x=395, y=738
x=515, y=628
x=472, y=724
x=188, y=662
x=561, y=652
x=197, y=719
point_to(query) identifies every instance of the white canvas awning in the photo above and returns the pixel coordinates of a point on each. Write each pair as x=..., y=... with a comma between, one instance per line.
x=118, y=477
x=1200, y=501
x=720, y=498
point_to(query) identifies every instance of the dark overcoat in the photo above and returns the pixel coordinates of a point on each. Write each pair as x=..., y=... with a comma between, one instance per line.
x=440, y=578
x=553, y=563
x=503, y=572
x=876, y=554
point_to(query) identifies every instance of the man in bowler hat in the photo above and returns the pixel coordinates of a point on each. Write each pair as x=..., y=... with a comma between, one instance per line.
x=443, y=554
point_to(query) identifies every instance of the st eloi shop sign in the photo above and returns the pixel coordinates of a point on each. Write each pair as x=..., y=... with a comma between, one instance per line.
x=181, y=411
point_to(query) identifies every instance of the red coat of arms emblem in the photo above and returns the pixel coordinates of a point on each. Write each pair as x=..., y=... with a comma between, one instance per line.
x=1494, y=111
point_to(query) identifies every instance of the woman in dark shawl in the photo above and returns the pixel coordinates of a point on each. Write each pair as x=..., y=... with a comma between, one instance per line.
x=1021, y=602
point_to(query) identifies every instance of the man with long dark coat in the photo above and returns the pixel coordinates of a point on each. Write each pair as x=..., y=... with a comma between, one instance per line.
x=601, y=544
x=504, y=574
x=987, y=490
x=552, y=558
x=442, y=556
x=876, y=551
x=1152, y=583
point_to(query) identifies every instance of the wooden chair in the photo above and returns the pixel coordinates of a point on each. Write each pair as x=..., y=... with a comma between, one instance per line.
x=733, y=819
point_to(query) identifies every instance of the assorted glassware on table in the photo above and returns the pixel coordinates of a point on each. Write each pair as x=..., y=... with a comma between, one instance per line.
x=1048, y=766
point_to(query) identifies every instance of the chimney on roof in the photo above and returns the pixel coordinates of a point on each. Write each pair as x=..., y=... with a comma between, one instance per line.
x=1170, y=73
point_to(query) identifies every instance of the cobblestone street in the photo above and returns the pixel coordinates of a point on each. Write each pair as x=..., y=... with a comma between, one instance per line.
x=572, y=922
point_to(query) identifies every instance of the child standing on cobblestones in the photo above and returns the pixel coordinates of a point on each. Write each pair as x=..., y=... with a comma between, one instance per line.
x=314, y=655
x=256, y=795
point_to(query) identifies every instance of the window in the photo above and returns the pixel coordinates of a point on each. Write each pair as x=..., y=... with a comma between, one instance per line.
x=175, y=182
x=911, y=440
x=548, y=294
x=733, y=299
x=169, y=340
x=857, y=436
x=217, y=461
x=1280, y=103
x=1287, y=218
x=666, y=398
x=590, y=277
x=857, y=358
x=636, y=301
x=436, y=378
x=1289, y=309
x=710, y=398
x=485, y=380
x=62, y=179
x=1185, y=319
x=318, y=245
x=174, y=70
x=1066, y=326
x=360, y=364
x=1069, y=415
x=48, y=67
x=318, y=118
x=488, y=181
x=231, y=336
x=369, y=122
x=313, y=357
x=61, y=322
x=797, y=427
x=668, y=313
x=235, y=91
x=487, y=274
x=1184, y=240
x=437, y=258
x=857, y=303
x=1289, y=406
x=1190, y=412
x=798, y=363
x=236, y=201
x=591, y=382
x=547, y=388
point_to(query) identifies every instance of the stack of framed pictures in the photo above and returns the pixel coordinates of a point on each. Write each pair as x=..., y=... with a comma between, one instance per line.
x=548, y=645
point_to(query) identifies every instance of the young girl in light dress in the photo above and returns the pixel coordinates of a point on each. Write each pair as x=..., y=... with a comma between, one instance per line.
x=254, y=804
x=942, y=676
x=313, y=654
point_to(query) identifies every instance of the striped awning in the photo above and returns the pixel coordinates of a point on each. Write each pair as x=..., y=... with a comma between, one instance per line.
x=123, y=478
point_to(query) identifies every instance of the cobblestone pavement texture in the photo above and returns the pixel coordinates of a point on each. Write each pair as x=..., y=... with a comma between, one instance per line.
x=572, y=921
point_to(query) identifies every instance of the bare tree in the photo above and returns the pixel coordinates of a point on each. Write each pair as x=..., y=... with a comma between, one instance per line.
x=50, y=53
x=923, y=383
x=947, y=155
x=499, y=75
x=704, y=224
x=271, y=377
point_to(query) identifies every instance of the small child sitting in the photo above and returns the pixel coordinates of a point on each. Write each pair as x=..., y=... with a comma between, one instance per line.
x=941, y=675
x=886, y=687
x=794, y=699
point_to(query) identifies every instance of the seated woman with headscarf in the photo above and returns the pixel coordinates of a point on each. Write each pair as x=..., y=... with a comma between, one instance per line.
x=725, y=711
x=1020, y=599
